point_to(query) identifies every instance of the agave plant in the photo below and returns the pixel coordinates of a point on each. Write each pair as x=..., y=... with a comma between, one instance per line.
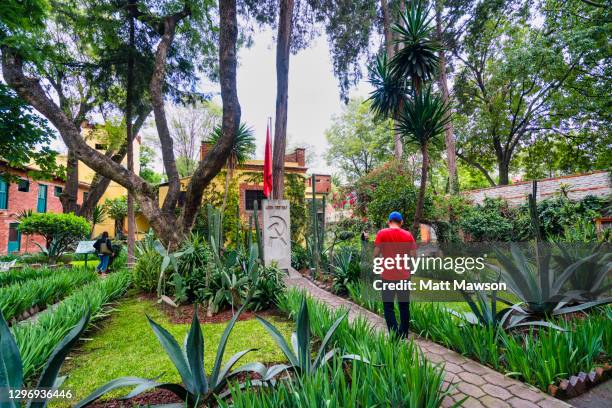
x=592, y=278
x=198, y=387
x=484, y=312
x=11, y=367
x=300, y=352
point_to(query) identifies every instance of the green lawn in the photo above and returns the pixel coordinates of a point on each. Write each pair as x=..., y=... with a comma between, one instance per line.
x=125, y=345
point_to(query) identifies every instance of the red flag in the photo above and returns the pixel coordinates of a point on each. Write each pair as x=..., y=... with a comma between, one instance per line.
x=268, y=166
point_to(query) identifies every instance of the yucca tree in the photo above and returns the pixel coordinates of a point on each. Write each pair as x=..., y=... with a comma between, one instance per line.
x=421, y=122
x=417, y=59
x=243, y=148
x=423, y=116
x=387, y=98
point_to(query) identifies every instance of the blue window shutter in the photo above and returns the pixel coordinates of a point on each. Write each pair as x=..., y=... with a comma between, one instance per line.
x=42, y=198
x=3, y=194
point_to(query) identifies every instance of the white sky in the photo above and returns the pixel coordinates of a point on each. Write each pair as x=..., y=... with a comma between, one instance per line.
x=313, y=93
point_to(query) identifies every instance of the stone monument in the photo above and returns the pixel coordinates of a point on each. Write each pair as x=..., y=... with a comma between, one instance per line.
x=276, y=233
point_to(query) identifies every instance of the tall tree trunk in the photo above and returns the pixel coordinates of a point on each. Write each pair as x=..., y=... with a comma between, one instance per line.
x=418, y=213
x=31, y=91
x=157, y=99
x=390, y=49
x=129, y=102
x=283, y=50
x=68, y=198
x=449, y=138
x=214, y=161
x=504, y=172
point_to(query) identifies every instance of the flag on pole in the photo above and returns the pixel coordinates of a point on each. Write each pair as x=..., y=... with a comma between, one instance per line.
x=268, y=165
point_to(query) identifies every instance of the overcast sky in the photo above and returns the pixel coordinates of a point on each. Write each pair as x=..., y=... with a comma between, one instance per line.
x=313, y=93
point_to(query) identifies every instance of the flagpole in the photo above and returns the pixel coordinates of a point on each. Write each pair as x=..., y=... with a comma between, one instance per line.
x=272, y=148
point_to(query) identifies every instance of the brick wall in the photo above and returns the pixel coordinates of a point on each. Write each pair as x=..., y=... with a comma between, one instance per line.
x=19, y=201
x=322, y=185
x=577, y=186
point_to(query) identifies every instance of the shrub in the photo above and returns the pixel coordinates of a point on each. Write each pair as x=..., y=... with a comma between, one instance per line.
x=489, y=221
x=386, y=189
x=60, y=231
x=299, y=257
x=145, y=273
x=196, y=264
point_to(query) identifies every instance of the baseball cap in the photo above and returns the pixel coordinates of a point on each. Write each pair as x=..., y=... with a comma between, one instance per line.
x=396, y=217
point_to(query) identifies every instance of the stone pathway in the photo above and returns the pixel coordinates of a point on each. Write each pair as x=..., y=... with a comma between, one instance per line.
x=483, y=386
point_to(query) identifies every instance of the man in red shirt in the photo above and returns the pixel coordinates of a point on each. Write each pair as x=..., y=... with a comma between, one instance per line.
x=391, y=242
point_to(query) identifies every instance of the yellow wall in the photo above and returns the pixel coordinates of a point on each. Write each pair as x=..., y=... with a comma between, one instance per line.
x=114, y=190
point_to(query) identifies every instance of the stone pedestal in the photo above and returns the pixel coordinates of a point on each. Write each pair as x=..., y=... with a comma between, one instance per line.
x=276, y=233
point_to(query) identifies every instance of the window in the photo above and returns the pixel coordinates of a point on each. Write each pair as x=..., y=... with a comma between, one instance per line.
x=41, y=206
x=57, y=191
x=100, y=146
x=3, y=194
x=23, y=185
x=250, y=196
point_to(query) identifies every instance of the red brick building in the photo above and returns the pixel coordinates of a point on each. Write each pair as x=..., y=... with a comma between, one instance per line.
x=23, y=194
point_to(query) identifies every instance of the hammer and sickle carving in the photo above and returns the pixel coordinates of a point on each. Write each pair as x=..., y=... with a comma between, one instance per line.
x=277, y=228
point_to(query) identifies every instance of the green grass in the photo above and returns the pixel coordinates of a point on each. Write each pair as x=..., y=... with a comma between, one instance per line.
x=126, y=346
x=91, y=263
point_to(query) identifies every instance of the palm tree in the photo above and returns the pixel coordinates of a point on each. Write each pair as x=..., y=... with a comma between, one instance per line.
x=423, y=119
x=418, y=59
x=243, y=148
x=387, y=98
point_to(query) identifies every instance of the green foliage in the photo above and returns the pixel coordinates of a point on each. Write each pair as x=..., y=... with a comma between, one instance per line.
x=389, y=188
x=38, y=339
x=398, y=376
x=60, y=231
x=299, y=257
x=40, y=292
x=13, y=371
x=358, y=141
x=424, y=118
x=346, y=269
x=145, y=273
x=20, y=275
x=418, y=57
x=25, y=136
x=300, y=352
x=198, y=387
x=489, y=221
x=147, y=156
x=116, y=209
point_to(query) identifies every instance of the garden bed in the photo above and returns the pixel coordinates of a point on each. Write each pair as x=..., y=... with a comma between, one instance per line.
x=125, y=345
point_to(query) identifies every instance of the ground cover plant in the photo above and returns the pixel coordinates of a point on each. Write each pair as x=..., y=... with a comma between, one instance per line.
x=126, y=345
x=398, y=376
x=19, y=275
x=38, y=293
x=539, y=357
x=37, y=339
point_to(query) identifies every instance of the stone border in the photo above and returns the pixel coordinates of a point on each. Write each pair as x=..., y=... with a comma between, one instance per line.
x=483, y=386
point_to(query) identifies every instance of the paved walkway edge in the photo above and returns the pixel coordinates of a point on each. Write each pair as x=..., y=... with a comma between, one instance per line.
x=483, y=386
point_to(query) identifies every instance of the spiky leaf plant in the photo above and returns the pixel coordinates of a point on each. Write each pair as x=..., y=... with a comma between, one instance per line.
x=299, y=353
x=11, y=366
x=198, y=387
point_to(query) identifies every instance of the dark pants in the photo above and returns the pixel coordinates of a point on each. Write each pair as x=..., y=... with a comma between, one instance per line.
x=390, y=297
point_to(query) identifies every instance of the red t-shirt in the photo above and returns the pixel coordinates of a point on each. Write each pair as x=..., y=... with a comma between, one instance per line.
x=393, y=242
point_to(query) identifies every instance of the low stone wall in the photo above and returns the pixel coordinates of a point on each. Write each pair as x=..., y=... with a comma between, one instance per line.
x=577, y=187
